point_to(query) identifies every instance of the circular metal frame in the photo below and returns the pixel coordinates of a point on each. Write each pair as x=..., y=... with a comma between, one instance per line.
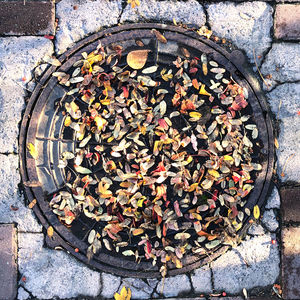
x=234, y=62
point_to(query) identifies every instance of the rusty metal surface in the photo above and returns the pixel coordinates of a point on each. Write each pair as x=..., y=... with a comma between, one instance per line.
x=34, y=130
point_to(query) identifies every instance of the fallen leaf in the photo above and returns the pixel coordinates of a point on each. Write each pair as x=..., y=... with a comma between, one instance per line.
x=159, y=36
x=124, y=294
x=49, y=37
x=138, y=231
x=50, y=231
x=82, y=170
x=32, y=150
x=32, y=203
x=137, y=59
x=256, y=212
x=134, y=3
x=276, y=143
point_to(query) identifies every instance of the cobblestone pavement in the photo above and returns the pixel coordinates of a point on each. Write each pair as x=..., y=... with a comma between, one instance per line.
x=254, y=265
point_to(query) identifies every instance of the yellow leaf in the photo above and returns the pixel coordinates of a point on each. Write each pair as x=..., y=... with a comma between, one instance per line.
x=203, y=91
x=32, y=150
x=134, y=3
x=214, y=173
x=68, y=121
x=256, y=212
x=178, y=264
x=192, y=187
x=74, y=106
x=276, y=143
x=195, y=115
x=137, y=59
x=124, y=295
x=227, y=157
x=189, y=159
x=110, y=139
x=100, y=122
x=50, y=231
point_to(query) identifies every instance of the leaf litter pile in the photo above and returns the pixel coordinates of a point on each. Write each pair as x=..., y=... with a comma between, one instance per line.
x=165, y=155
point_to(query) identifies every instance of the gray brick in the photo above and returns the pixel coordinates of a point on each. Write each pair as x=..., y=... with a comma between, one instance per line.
x=28, y=17
x=8, y=265
x=287, y=21
x=291, y=263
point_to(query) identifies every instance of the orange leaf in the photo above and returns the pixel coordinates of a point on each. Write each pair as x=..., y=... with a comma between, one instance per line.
x=50, y=231
x=32, y=203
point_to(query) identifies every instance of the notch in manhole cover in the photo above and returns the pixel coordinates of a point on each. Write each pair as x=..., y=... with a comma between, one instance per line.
x=153, y=146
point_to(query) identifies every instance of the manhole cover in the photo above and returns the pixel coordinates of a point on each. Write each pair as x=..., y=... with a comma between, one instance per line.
x=164, y=148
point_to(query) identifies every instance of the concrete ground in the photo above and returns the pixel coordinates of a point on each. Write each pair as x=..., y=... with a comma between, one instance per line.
x=265, y=28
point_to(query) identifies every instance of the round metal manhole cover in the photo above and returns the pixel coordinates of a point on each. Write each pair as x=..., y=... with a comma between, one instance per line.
x=152, y=151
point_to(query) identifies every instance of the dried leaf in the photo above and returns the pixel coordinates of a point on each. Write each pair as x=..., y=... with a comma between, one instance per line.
x=159, y=36
x=82, y=170
x=138, y=231
x=137, y=59
x=150, y=70
x=212, y=244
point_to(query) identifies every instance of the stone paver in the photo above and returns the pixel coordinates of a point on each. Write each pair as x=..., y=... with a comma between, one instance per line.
x=8, y=265
x=188, y=12
x=290, y=204
x=287, y=21
x=244, y=24
x=256, y=229
x=270, y=220
x=22, y=294
x=254, y=263
x=284, y=102
x=77, y=19
x=12, y=204
x=139, y=288
x=201, y=280
x=110, y=285
x=282, y=63
x=51, y=273
x=18, y=57
x=27, y=17
x=291, y=263
x=174, y=286
x=274, y=199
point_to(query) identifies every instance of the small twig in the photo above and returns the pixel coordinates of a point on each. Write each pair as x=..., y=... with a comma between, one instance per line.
x=260, y=74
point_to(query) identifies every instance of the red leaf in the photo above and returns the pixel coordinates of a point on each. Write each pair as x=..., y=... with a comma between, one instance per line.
x=49, y=37
x=149, y=248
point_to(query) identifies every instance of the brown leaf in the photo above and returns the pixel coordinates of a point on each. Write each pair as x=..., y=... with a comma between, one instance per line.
x=185, y=52
x=159, y=36
x=137, y=59
x=32, y=183
x=139, y=43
